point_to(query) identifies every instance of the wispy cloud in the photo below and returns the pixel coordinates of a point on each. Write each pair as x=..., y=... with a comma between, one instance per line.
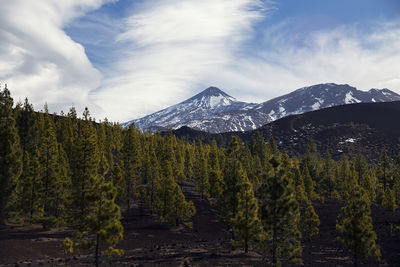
x=348, y=54
x=173, y=48
x=38, y=60
x=164, y=51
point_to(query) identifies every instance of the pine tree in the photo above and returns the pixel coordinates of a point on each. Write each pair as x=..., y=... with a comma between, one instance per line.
x=50, y=183
x=366, y=179
x=84, y=169
x=27, y=127
x=354, y=225
x=346, y=177
x=188, y=168
x=201, y=172
x=246, y=224
x=328, y=180
x=309, y=221
x=232, y=174
x=165, y=194
x=389, y=200
x=24, y=185
x=214, y=172
x=385, y=169
x=153, y=178
x=396, y=179
x=10, y=153
x=280, y=216
x=34, y=183
x=182, y=209
x=131, y=155
x=309, y=184
x=101, y=222
x=180, y=163
x=118, y=180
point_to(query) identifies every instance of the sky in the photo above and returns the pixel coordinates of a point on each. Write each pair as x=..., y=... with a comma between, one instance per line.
x=128, y=58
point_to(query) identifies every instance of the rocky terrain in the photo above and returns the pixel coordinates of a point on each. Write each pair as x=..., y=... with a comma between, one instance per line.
x=148, y=242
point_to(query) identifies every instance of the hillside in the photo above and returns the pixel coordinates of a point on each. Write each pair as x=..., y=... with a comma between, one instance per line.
x=349, y=129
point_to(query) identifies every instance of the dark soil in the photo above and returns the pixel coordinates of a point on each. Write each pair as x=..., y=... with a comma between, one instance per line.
x=149, y=242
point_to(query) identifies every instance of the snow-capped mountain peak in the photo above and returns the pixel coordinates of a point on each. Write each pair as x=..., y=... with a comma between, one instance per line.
x=213, y=110
x=211, y=98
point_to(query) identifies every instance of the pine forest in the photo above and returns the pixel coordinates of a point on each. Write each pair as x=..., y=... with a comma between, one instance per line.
x=70, y=173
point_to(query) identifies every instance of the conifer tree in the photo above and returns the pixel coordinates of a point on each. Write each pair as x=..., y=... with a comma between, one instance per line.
x=165, y=194
x=201, y=172
x=232, y=174
x=246, y=224
x=33, y=184
x=309, y=184
x=27, y=127
x=118, y=180
x=131, y=155
x=101, y=222
x=180, y=163
x=24, y=185
x=182, y=209
x=366, y=178
x=346, y=177
x=354, y=225
x=50, y=183
x=389, y=200
x=214, y=174
x=280, y=216
x=272, y=148
x=328, y=179
x=10, y=152
x=396, y=179
x=153, y=178
x=300, y=189
x=384, y=170
x=309, y=221
x=84, y=170
x=188, y=168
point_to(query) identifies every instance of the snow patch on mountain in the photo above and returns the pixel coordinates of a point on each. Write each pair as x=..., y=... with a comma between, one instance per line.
x=215, y=111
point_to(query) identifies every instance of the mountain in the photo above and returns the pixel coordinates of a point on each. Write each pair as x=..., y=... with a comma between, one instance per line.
x=364, y=128
x=322, y=96
x=211, y=110
x=215, y=111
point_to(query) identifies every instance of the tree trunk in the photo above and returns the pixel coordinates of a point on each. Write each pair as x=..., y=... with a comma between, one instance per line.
x=355, y=260
x=97, y=253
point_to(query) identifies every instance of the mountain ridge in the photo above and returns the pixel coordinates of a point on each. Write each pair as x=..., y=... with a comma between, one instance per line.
x=214, y=111
x=364, y=128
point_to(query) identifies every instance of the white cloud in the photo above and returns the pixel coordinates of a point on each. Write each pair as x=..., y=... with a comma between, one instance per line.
x=344, y=55
x=174, y=49
x=171, y=49
x=38, y=59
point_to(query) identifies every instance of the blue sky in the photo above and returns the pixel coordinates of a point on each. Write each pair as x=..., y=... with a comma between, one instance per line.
x=124, y=59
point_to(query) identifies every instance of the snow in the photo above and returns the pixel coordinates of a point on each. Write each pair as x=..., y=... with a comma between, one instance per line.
x=316, y=105
x=349, y=99
x=373, y=100
x=215, y=100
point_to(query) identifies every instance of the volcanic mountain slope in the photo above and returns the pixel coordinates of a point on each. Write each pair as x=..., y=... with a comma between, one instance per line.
x=215, y=111
x=211, y=110
x=348, y=129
